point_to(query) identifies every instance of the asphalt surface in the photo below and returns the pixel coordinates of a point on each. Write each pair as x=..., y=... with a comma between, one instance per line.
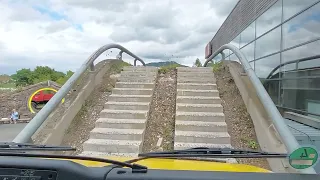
x=9, y=131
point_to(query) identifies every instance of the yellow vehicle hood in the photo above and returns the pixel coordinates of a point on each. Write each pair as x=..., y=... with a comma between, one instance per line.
x=178, y=164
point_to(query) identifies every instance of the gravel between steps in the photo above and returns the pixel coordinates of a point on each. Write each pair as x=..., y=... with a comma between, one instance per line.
x=161, y=118
x=240, y=125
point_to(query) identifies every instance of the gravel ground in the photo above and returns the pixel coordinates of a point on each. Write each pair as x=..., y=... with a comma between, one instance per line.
x=84, y=122
x=159, y=134
x=240, y=125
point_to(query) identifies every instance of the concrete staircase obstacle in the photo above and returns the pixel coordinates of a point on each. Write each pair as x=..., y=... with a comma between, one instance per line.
x=200, y=121
x=119, y=130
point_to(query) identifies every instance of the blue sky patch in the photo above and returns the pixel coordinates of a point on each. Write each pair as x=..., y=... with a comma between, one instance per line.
x=78, y=27
x=52, y=14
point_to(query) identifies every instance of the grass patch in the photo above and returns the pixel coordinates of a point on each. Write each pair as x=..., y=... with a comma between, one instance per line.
x=165, y=69
x=216, y=66
x=118, y=66
x=7, y=85
x=250, y=143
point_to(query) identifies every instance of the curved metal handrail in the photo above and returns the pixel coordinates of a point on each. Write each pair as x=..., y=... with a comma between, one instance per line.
x=26, y=134
x=283, y=130
x=223, y=56
x=291, y=62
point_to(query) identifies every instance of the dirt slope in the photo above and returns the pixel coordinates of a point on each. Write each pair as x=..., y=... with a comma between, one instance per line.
x=240, y=125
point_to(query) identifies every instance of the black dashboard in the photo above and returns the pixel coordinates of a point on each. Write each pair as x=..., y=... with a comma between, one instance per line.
x=26, y=168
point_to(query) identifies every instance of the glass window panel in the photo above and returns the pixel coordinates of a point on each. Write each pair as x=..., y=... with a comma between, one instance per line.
x=302, y=28
x=217, y=57
x=298, y=92
x=312, y=73
x=307, y=50
x=288, y=68
x=263, y=67
x=273, y=87
x=313, y=107
x=268, y=43
x=226, y=53
x=269, y=19
x=233, y=57
x=309, y=64
x=248, y=51
x=236, y=41
x=292, y=7
x=252, y=64
x=247, y=35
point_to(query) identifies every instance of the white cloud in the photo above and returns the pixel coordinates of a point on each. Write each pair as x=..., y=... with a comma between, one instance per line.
x=64, y=33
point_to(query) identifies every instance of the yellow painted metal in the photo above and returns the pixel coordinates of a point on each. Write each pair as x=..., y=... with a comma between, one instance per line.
x=175, y=164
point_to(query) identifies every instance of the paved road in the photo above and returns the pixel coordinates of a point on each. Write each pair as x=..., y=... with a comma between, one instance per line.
x=9, y=131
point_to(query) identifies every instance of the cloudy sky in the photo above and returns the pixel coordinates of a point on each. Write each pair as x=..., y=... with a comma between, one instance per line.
x=63, y=33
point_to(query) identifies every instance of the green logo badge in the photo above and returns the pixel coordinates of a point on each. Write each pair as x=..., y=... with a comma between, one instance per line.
x=303, y=158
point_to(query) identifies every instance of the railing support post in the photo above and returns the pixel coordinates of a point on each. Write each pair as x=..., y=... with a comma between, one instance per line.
x=91, y=66
x=119, y=56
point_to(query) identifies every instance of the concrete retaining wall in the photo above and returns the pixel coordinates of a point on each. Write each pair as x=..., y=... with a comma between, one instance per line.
x=55, y=133
x=268, y=138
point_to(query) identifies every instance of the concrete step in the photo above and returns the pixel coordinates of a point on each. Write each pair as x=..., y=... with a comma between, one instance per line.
x=201, y=126
x=202, y=137
x=199, y=107
x=196, y=74
x=195, y=69
x=209, y=93
x=127, y=105
x=134, y=79
x=134, y=85
x=138, y=74
x=200, y=116
x=129, y=98
x=196, y=86
x=132, y=91
x=123, y=114
x=117, y=134
x=182, y=146
x=121, y=123
x=140, y=68
x=198, y=100
x=103, y=155
x=196, y=80
x=111, y=146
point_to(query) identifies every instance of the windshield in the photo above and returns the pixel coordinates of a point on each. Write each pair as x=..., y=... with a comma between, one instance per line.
x=122, y=80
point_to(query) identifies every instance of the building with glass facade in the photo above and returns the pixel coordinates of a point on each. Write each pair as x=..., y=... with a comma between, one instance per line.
x=281, y=39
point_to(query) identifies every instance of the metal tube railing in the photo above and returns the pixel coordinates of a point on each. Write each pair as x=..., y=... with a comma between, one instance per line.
x=223, y=57
x=297, y=61
x=26, y=134
x=287, y=137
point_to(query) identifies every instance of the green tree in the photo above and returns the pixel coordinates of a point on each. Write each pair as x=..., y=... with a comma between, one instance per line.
x=44, y=73
x=65, y=78
x=26, y=77
x=23, y=77
x=197, y=63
